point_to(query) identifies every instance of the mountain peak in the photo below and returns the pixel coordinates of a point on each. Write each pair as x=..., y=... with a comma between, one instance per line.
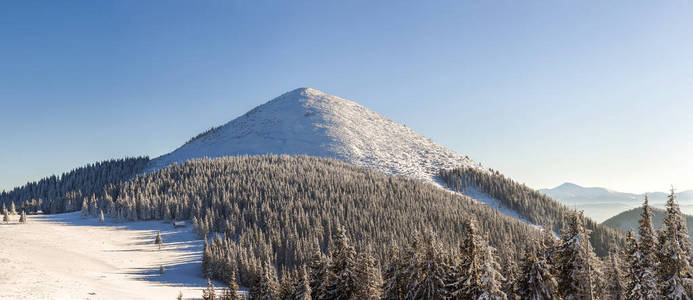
x=308, y=121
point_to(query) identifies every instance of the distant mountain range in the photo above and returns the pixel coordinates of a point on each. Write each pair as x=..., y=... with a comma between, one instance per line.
x=600, y=203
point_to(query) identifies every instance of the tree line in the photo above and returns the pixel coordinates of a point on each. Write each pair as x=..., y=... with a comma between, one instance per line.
x=65, y=193
x=654, y=266
x=530, y=204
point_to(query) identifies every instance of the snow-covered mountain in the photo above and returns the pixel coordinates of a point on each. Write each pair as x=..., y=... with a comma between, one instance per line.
x=308, y=121
x=601, y=203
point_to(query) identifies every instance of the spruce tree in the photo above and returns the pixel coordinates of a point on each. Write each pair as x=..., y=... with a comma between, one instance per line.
x=209, y=293
x=674, y=266
x=101, y=218
x=369, y=279
x=6, y=216
x=4, y=208
x=85, y=208
x=318, y=272
x=394, y=277
x=615, y=277
x=158, y=240
x=231, y=291
x=266, y=286
x=302, y=289
x=428, y=271
x=466, y=281
x=22, y=218
x=536, y=281
x=576, y=266
x=341, y=276
x=13, y=209
x=491, y=278
x=645, y=263
x=512, y=273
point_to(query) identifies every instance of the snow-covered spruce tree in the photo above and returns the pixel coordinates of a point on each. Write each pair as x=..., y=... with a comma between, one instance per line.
x=577, y=265
x=464, y=279
x=427, y=270
x=302, y=289
x=341, y=282
x=13, y=209
x=369, y=278
x=4, y=208
x=6, y=216
x=287, y=285
x=158, y=240
x=231, y=291
x=22, y=218
x=512, y=275
x=536, y=281
x=101, y=218
x=209, y=293
x=491, y=278
x=85, y=208
x=615, y=277
x=674, y=260
x=550, y=244
x=644, y=261
x=394, y=276
x=317, y=277
x=266, y=286
x=631, y=258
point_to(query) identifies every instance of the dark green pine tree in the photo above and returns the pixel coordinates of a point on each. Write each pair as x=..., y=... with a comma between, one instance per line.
x=674, y=260
x=341, y=282
x=536, y=281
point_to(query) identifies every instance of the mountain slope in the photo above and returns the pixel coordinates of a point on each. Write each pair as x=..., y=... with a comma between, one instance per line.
x=600, y=203
x=307, y=121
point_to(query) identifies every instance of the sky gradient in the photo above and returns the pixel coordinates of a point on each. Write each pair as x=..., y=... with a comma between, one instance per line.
x=595, y=93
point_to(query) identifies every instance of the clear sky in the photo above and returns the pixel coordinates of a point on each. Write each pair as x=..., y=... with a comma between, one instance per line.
x=599, y=93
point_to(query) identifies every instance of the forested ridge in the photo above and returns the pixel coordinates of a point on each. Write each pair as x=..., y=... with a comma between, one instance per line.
x=528, y=203
x=300, y=227
x=65, y=193
x=277, y=207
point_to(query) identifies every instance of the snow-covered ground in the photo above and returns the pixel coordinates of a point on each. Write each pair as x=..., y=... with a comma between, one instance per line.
x=308, y=121
x=67, y=257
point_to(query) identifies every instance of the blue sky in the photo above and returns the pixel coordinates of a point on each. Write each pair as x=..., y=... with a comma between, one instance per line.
x=599, y=93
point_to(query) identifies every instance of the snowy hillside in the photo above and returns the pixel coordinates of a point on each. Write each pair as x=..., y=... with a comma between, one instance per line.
x=308, y=121
x=65, y=256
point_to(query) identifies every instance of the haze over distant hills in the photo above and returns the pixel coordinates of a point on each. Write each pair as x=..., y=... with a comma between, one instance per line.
x=600, y=203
